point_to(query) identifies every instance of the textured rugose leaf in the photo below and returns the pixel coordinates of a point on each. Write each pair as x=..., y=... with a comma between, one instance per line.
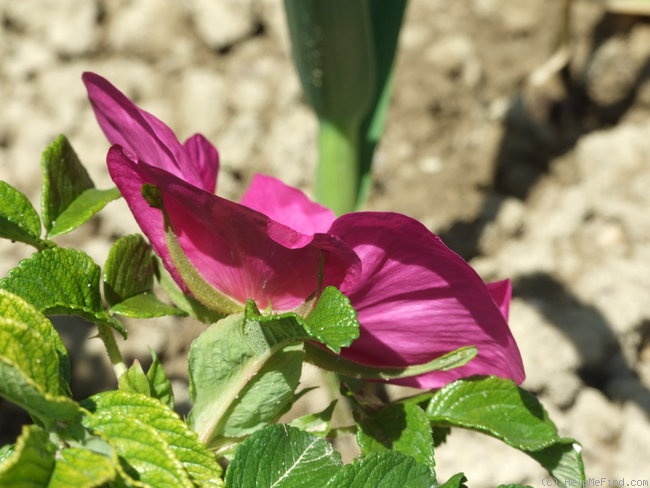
x=18, y=218
x=280, y=456
x=82, y=208
x=333, y=321
x=386, y=469
x=61, y=281
x=32, y=461
x=18, y=388
x=181, y=444
x=14, y=307
x=398, y=427
x=241, y=374
x=64, y=179
x=144, y=453
x=129, y=269
x=81, y=468
x=499, y=408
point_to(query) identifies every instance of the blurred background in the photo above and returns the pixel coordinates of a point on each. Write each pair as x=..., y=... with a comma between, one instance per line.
x=521, y=139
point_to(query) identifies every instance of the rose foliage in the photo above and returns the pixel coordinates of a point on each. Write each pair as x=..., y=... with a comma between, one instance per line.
x=278, y=280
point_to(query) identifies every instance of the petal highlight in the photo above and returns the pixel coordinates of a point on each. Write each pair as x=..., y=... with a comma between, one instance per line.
x=418, y=300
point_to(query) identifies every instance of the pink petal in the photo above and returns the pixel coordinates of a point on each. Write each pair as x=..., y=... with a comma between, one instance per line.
x=230, y=245
x=418, y=300
x=205, y=158
x=287, y=205
x=501, y=292
x=143, y=136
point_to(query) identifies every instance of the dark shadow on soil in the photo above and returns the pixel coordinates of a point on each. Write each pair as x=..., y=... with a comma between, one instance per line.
x=604, y=366
x=539, y=127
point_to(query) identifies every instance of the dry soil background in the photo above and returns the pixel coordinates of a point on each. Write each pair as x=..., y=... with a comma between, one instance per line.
x=538, y=177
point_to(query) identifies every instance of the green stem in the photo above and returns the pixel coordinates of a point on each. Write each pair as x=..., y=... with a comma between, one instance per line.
x=337, y=176
x=106, y=335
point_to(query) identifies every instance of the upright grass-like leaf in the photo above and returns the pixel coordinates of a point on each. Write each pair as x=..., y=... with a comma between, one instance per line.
x=344, y=52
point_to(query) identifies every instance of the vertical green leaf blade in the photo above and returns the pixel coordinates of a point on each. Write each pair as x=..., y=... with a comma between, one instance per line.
x=64, y=179
x=18, y=218
x=280, y=456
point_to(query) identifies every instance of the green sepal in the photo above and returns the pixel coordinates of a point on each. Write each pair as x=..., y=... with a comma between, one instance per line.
x=32, y=461
x=327, y=360
x=402, y=427
x=18, y=218
x=514, y=415
x=61, y=282
x=243, y=373
x=156, y=446
x=333, y=321
x=385, y=469
x=14, y=307
x=281, y=456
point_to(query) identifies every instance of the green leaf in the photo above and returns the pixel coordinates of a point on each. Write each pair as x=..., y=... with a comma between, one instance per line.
x=386, y=469
x=564, y=461
x=81, y=468
x=129, y=269
x=20, y=389
x=18, y=218
x=61, y=281
x=456, y=481
x=243, y=374
x=316, y=423
x=161, y=387
x=332, y=362
x=82, y=209
x=398, y=427
x=135, y=380
x=32, y=461
x=145, y=306
x=64, y=180
x=280, y=456
x=499, y=408
x=333, y=321
x=115, y=413
x=14, y=307
x=186, y=303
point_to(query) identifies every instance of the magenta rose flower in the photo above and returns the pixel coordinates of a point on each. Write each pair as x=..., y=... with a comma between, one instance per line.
x=416, y=299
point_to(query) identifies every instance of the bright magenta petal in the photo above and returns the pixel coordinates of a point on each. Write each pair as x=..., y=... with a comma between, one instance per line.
x=205, y=159
x=287, y=205
x=144, y=136
x=230, y=244
x=418, y=300
x=501, y=292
